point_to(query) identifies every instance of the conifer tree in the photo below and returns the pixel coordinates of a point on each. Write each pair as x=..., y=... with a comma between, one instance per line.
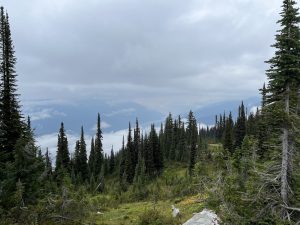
x=149, y=160
x=136, y=142
x=83, y=167
x=112, y=162
x=140, y=171
x=181, y=147
x=168, y=136
x=48, y=164
x=27, y=168
x=240, y=128
x=77, y=160
x=172, y=153
x=264, y=96
x=92, y=158
x=284, y=80
x=122, y=161
x=251, y=125
x=62, y=155
x=158, y=163
x=228, y=136
x=98, y=159
x=11, y=125
x=161, y=139
x=130, y=157
x=192, y=133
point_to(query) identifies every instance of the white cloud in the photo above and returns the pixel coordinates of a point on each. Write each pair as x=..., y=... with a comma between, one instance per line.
x=43, y=114
x=166, y=55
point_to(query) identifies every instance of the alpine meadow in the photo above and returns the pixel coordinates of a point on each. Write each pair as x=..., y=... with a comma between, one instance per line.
x=238, y=167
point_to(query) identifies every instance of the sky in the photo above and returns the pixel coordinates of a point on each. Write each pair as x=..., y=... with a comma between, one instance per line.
x=132, y=58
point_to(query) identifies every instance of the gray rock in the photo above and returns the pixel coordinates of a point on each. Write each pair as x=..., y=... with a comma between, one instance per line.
x=206, y=217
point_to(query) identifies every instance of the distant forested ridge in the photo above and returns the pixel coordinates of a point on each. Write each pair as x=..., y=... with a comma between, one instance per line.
x=247, y=167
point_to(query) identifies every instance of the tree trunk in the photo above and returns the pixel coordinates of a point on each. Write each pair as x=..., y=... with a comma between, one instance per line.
x=284, y=166
x=298, y=101
x=285, y=152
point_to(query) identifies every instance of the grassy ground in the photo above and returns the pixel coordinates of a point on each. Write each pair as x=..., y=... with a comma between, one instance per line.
x=126, y=214
x=173, y=187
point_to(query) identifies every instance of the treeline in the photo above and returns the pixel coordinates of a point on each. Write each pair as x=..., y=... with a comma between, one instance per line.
x=250, y=164
x=81, y=168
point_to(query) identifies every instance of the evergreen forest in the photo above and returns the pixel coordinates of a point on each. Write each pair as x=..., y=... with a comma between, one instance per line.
x=244, y=168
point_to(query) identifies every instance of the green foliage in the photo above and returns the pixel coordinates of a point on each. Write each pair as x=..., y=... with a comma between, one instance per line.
x=192, y=133
x=240, y=127
x=11, y=124
x=62, y=154
x=98, y=158
x=228, y=137
x=130, y=162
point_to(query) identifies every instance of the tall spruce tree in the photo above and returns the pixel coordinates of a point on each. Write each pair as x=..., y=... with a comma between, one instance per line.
x=149, y=160
x=161, y=137
x=155, y=149
x=122, y=161
x=11, y=125
x=112, y=163
x=283, y=83
x=192, y=133
x=48, y=164
x=136, y=141
x=83, y=167
x=76, y=160
x=98, y=159
x=240, y=127
x=168, y=136
x=130, y=157
x=62, y=154
x=228, y=136
x=175, y=138
x=92, y=159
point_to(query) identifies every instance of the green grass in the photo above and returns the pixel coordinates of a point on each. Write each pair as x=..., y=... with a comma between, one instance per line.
x=129, y=213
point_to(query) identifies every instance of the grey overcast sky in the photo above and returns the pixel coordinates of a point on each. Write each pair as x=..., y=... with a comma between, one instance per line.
x=167, y=55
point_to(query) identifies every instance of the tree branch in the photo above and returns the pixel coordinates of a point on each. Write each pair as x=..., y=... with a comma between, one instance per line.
x=291, y=208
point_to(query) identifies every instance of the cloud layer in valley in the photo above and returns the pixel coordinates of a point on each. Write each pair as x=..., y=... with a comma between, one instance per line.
x=165, y=55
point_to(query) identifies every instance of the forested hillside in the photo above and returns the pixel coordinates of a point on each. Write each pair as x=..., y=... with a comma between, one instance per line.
x=245, y=168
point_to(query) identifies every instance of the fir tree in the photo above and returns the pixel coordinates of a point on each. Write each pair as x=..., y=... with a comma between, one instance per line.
x=284, y=79
x=192, y=133
x=112, y=162
x=157, y=154
x=92, y=158
x=172, y=153
x=98, y=160
x=83, y=167
x=48, y=164
x=182, y=148
x=76, y=166
x=62, y=155
x=168, y=136
x=11, y=126
x=122, y=162
x=130, y=157
x=149, y=160
x=161, y=138
x=136, y=142
x=240, y=128
x=228, y=136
